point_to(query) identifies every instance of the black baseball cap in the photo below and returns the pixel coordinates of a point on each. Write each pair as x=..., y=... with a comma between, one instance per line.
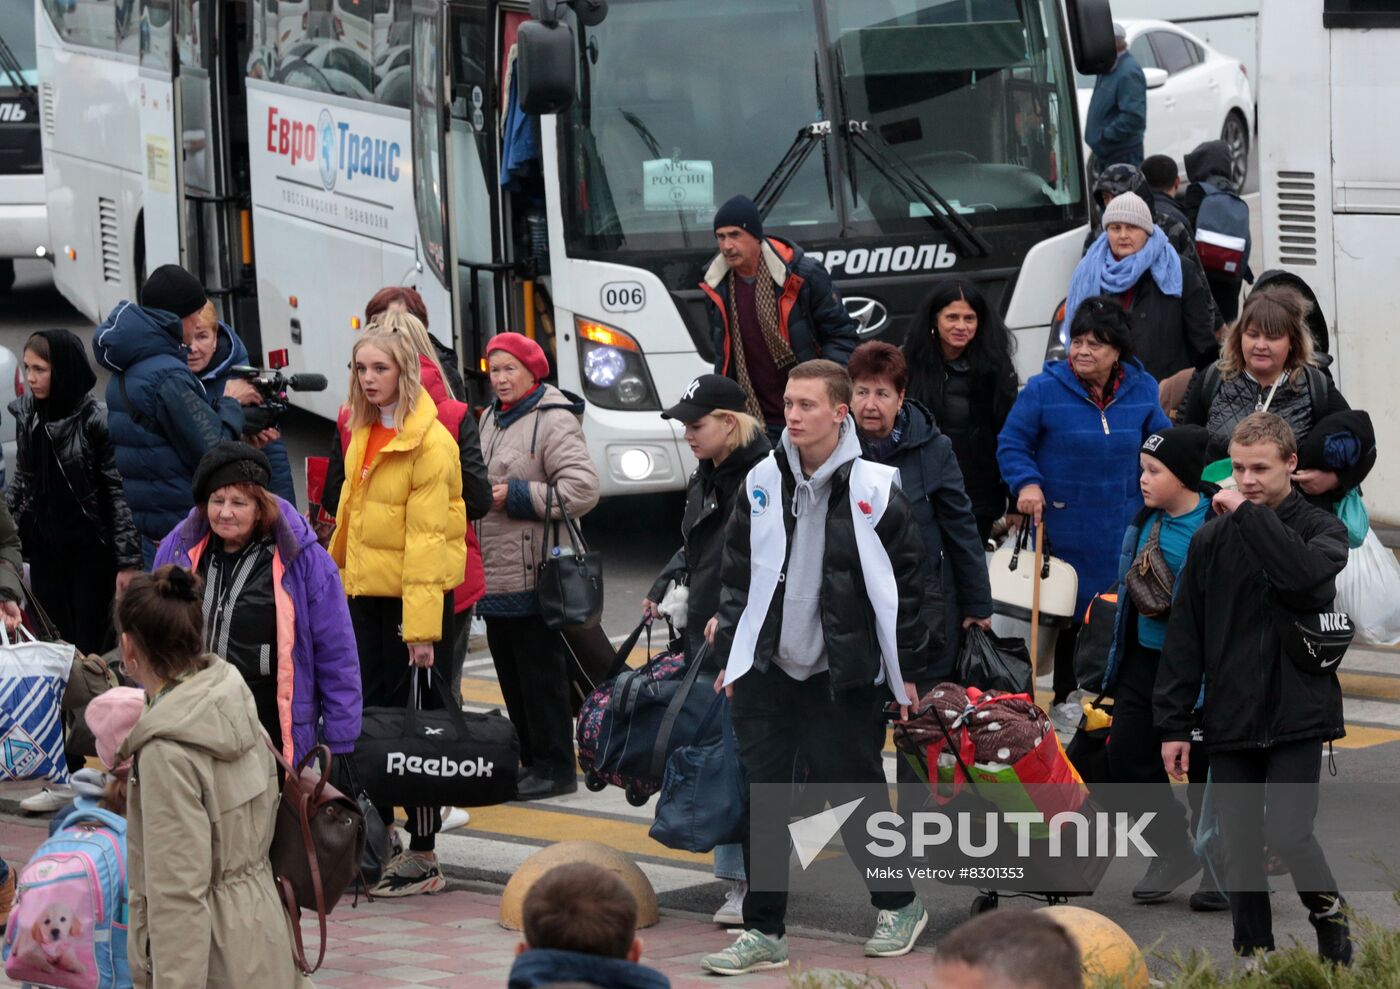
x=708, y=393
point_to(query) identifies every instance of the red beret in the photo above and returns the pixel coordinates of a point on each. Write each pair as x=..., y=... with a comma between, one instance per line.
x=523, y=349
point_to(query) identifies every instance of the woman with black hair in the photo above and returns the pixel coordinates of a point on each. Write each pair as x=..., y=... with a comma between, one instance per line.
x=66, y=494
x=961, y=369
x=1069, y=451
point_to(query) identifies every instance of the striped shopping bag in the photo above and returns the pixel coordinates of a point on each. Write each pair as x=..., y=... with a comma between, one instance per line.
x=33, y=676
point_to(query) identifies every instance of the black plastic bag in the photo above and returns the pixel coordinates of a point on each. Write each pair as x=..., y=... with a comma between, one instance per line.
x=990, y=662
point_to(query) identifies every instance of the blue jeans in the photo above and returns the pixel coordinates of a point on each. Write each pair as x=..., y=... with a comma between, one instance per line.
x=729, y=862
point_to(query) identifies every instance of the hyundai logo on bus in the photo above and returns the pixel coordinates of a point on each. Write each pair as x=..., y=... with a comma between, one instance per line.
x=873, y=260
x=334, y=146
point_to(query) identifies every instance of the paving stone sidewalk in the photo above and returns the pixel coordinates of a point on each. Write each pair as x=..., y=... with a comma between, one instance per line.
x=453, y=939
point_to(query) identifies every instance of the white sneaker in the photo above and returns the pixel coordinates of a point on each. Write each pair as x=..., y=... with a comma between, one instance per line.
x=47, y=800
x=454, y=818
x=1065, y=718
x=731, y=912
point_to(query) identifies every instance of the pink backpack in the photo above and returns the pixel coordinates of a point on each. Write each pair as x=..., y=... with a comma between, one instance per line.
x=68, y=928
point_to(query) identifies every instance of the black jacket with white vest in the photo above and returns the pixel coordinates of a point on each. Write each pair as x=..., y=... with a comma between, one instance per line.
x=1225, y=627
x=848, y=617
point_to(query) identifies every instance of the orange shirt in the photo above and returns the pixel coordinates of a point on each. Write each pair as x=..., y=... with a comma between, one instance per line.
x=379, y=437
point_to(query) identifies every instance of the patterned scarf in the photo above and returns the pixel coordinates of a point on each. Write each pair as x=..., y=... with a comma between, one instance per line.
x=766, y=305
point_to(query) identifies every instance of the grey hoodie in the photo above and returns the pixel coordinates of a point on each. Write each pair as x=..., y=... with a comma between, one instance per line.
x=802, y=641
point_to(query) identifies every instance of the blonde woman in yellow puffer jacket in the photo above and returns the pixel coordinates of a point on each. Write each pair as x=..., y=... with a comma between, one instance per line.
x=400, y=545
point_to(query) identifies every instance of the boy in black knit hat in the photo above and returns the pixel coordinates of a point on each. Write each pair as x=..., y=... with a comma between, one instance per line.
x=1176, y=504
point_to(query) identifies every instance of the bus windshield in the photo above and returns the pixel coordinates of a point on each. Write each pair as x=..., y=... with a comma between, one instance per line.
x=682, y=105
x=17, y=30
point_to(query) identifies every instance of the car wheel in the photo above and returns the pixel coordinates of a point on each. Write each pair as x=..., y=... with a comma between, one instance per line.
x=1235, y=134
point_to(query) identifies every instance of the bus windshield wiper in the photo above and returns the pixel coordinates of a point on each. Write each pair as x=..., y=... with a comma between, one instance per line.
x=15, y=71
x=916, y=188
x=797, y=153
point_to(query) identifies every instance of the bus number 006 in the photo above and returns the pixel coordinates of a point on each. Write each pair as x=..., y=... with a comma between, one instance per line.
x=623, y=297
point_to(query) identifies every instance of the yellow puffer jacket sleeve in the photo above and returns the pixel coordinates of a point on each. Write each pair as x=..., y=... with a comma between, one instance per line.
x=435, y=520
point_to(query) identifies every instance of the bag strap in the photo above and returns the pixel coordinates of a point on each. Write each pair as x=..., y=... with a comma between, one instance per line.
x=137, y=416
x=628, y=644
x=673, y=711
x=295, y=791
x=572, y=526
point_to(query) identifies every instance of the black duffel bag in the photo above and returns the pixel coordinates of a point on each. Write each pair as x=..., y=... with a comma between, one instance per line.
x=647, y=719
x=445, y=757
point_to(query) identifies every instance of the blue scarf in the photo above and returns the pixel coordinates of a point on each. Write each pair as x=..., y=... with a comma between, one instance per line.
x=1099, y=273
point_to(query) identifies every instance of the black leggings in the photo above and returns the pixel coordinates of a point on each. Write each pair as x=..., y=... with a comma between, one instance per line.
x=384, y=682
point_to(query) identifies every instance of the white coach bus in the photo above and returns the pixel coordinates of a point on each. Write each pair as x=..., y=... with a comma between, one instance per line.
x=1328, y=171
x=325, y=148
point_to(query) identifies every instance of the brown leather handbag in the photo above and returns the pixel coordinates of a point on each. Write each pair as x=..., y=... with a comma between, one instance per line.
x=1150, y=578
x=317, y=842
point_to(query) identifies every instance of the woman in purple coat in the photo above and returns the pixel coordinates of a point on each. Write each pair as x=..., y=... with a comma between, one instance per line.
x=273, y=603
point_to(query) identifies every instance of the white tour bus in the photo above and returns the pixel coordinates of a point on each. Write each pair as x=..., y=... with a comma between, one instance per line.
x=1331, y=200
x=329, y=147
x=24, y=229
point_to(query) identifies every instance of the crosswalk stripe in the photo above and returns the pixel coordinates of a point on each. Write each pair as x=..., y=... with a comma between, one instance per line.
x=525, y=821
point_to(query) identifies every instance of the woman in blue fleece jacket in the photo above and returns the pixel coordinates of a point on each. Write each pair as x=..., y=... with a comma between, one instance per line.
x=1069, y=451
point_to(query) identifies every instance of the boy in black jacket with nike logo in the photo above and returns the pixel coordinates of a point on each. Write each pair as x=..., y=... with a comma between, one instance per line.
x=1268, y=554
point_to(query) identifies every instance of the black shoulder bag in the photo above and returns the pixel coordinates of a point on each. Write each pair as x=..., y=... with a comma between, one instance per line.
x=569, y=580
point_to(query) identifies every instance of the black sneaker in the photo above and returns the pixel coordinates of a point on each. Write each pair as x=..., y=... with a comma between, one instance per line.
x=1164, y=875
x=534, y=787
x=1208, y=898
x=1333, y=934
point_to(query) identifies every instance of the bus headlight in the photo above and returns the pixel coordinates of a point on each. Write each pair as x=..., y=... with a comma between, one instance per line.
x=615, y=373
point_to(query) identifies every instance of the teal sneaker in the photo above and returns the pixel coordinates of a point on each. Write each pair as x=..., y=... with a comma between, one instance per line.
x=750, y=952
x=896, y=931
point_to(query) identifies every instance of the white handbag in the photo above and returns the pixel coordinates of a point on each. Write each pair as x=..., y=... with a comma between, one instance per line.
x=1012, y=572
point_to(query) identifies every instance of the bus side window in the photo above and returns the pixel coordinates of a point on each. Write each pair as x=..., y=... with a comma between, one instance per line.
x=85, y=22
x=155, y=21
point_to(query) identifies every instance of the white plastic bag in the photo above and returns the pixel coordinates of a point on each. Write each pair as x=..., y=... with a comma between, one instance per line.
x=33, y=677
x=1368, y=589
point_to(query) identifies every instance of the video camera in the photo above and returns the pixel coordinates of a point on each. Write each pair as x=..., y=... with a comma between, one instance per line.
x=273, y=385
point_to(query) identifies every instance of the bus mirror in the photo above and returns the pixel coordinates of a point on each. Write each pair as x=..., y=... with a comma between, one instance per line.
x=1091, y=35
x=545, y=67
x=590, y=13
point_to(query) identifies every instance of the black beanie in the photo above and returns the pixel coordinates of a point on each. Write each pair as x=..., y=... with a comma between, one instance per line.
x=230, y=462
x=1182, y=450
x=742, y=213
x=173, y=289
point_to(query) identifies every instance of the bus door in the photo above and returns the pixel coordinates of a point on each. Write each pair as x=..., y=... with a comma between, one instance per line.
x=494, y=222
x=194, y=119
x=161, y=234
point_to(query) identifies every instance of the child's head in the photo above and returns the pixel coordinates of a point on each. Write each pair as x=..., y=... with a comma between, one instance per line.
x=1008, y=949
x=111, y=716
x=56, y=370
x=1172, y=461
x=583, y=908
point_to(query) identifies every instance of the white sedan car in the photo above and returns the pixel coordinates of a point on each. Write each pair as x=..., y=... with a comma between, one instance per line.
x=1194, y=94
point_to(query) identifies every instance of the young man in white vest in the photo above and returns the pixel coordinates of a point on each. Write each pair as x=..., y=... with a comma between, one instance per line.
x=819, y=628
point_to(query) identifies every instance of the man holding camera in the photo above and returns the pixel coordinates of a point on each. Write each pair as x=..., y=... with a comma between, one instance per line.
x=161, y=416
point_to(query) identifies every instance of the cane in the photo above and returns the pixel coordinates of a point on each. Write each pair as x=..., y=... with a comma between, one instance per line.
x=1035, y=594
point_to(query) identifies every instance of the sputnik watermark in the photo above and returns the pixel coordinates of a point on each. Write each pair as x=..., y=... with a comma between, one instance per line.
x=978, y=836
